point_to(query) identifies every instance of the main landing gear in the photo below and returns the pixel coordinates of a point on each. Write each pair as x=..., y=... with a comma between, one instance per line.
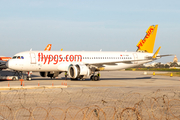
x=79, y=78
x=29, y=76
x=94, y=78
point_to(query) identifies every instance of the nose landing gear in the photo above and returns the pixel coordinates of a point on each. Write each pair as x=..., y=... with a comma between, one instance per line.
x=22, y=75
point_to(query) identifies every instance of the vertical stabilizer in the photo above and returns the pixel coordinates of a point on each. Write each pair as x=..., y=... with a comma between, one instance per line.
x=48, y=47
x=147, y=44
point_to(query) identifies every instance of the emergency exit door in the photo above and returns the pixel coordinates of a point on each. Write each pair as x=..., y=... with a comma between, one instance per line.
x=135, y=58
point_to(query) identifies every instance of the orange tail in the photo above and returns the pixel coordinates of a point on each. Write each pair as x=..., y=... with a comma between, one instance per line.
x=48, y=47
x=5, y=58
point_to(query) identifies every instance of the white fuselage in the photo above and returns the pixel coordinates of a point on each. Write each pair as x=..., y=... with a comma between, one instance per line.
x=60, y=60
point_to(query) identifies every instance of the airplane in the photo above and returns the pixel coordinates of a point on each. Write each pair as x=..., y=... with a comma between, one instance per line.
x=84, y=64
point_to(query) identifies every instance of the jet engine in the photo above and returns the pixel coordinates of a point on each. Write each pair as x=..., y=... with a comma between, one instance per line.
x=50, y=74
x=43, y=74
x=78, y=70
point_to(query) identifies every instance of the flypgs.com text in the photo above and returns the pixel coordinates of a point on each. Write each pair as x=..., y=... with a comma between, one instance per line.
x=47, y=59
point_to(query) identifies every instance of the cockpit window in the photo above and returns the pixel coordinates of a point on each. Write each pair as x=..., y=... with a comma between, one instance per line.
x=18, y=57
x=14, y=57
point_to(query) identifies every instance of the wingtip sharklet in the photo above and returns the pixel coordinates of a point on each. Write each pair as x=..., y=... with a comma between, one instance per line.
x=155, y=54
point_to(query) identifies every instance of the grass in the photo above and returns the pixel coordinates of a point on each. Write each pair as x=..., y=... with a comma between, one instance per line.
x=175, y=72
x=153, y=69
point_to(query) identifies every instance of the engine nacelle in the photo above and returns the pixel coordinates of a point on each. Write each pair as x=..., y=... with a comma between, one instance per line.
x=49, y=74
x=43, y=74
x=75, y=71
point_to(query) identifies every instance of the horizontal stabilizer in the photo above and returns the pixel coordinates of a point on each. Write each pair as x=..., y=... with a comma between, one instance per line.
x=165, y=55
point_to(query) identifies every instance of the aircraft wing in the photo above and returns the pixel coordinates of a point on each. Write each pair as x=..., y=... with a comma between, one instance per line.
x=165, y=55
x=148, y=59
x=115, y=62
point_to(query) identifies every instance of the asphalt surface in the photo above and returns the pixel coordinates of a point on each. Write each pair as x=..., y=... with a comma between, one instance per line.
x=124, y=79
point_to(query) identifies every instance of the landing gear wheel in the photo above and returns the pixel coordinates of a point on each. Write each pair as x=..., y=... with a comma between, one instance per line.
x=14, y=78
x=81, y=77
x=96, y=78
x=29, y=78
x=92, y=77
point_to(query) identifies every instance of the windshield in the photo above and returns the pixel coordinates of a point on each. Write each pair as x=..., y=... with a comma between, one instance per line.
x=18, y=57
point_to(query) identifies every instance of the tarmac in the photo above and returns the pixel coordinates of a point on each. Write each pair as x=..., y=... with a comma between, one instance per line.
x=124, y=79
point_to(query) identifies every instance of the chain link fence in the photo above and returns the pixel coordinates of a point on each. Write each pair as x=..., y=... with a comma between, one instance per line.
x=89, y=104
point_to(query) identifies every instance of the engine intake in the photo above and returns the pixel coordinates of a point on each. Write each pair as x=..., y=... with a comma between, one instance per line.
x=75, y=71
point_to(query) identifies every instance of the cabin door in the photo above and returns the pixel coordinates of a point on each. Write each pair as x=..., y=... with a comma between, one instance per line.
x=32, y=58
x=135, y=58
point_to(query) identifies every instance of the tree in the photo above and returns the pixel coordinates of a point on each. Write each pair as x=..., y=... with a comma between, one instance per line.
x=174, y=64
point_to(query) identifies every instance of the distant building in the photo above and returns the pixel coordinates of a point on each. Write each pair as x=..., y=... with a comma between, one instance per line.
x=175, y=60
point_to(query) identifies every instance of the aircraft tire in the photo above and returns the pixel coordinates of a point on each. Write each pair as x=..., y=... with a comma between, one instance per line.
x=29, y=78
x=96, y=78
x=92, y=77
x=14, y=78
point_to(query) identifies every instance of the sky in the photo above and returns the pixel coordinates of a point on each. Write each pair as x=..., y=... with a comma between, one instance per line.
x=88, y=25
